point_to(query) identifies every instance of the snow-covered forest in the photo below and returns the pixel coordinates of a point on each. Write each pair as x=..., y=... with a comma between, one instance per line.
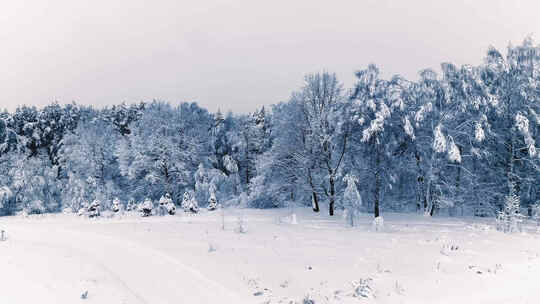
x=390, y=191
x=460, y=142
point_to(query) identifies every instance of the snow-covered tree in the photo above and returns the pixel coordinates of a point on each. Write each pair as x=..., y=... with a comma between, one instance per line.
x=89, y=165
x=164, y=149
x=8, y=138
x=509, y=219
x=212, y=202
x=352, y=201
x=377, y=114
x=131, y=205
x=512, y=83
x=322, y=101
x=94, y=209
x=145, y=208
x=189, y=203
x=166, y=205
x=116, y=205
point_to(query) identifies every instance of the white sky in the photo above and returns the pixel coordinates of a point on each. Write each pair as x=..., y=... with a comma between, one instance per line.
x=234, y=54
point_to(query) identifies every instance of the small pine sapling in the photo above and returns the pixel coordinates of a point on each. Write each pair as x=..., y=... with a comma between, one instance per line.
x=509, y=219
x=186, y=201
x=116, y=205
x=166, y=205
x=94, y=209
x=171, y=208
x=212, y=202
x=145, y=208
x=193, y=205
x=131, y=206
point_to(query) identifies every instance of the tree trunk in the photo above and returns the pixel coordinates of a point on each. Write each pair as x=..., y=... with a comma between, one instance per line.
x=332, y=193
x=377, y=185
x=421, y=194
x=315, y=202
x=377, y=189
x=315, y=198
x=433, y=206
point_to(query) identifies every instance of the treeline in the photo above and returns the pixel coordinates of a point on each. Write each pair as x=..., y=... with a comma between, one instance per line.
x=459, y=142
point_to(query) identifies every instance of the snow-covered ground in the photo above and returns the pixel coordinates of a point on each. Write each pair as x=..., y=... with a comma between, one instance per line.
x=191, y=259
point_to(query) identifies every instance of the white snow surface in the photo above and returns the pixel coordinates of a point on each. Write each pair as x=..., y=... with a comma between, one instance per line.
x=190, y=259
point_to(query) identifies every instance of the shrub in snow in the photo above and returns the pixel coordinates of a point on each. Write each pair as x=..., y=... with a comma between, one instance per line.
x=131, y=205
x=166, y=205
x=186, y=201
x=93, y=209
x=116, y=205
x=145, y=208
x=171, y=208
x=509, y=219
x=378, y=223
x=212, y=202
x=308, y=299
x=362, y=288
x=189, y=203
x=352, y=201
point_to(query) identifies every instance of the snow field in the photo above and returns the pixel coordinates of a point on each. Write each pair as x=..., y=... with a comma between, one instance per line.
x=191, y=259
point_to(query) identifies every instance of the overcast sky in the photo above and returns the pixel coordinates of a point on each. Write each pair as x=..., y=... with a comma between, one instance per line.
x=234, y=54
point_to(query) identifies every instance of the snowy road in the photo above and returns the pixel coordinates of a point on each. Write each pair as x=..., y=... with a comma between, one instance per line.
x=49, y=264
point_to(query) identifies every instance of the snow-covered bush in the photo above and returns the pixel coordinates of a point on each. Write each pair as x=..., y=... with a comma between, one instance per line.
x=116, y=205
x=171, y=208
x=166, y=205
x=352, y=201
x=189, y=203
x=308, y=299
x=362, y=288
x=212, y=202
x=94, y=209
x=186, y=201
x=145, y=208
x=131, y=205
x=194, y=205
x=164, y=201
